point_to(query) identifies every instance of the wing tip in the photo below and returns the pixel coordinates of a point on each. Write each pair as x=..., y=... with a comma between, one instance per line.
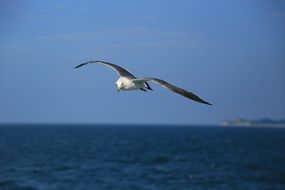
x=77, y=66
x=205, y=102
x=82, y=64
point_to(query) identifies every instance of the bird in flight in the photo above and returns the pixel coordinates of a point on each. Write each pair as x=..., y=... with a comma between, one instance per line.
x=128, y=81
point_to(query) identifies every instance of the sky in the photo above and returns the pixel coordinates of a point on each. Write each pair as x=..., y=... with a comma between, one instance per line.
x=229, y=52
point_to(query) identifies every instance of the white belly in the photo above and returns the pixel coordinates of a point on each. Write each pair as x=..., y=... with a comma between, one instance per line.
x=133, y=86
x=129, y=85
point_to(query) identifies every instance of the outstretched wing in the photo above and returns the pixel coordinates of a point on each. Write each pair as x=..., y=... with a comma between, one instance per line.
x=121, y=71
x=173, y=88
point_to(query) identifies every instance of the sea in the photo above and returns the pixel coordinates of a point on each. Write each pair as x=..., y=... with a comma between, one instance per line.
x=141, y=157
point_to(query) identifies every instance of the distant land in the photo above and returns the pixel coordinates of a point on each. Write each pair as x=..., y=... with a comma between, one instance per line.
x=254, y=123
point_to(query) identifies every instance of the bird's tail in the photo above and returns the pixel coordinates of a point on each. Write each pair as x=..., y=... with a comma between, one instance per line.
x=147, y=86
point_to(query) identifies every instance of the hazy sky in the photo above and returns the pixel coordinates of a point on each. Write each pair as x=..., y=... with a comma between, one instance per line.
x=229, y=52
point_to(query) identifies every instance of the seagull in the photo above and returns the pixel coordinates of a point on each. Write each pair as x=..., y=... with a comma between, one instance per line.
x=128, y=81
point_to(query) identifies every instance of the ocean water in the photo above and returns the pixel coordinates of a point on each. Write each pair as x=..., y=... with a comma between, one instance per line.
x=86, y=157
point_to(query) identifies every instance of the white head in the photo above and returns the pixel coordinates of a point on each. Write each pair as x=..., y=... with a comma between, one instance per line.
x=119, y=84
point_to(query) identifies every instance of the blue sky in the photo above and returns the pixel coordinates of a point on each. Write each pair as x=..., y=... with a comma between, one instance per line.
x=230, y=53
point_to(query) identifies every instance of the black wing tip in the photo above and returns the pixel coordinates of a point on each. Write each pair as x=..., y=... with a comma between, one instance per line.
x=207, y=103
x=77, y=66
x=82, y=64
x=204, y=102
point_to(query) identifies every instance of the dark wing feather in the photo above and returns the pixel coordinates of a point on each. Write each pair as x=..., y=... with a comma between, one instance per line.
x=82, y=64
x=121, y=71
x=173, y=88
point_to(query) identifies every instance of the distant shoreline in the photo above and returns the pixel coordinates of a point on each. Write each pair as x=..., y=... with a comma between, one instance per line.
x=254, y=123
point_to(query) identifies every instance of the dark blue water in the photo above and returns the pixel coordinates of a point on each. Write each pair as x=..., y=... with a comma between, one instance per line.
x=51, y=157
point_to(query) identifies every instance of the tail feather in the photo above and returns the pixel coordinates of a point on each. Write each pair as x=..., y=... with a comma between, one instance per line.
x=147, y=86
